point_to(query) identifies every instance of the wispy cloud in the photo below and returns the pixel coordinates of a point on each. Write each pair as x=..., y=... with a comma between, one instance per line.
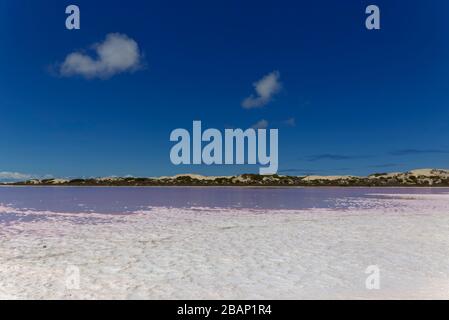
x=116, y=54
x=291, y=122
x=262, y=124
x=336, y=157
x=6, y=176
x=265, y=89
x=405, y=152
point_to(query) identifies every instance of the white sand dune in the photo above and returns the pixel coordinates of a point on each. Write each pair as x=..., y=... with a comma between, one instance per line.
x=206, y=253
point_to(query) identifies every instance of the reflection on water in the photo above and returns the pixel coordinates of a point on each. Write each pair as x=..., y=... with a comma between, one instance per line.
x=130, y=199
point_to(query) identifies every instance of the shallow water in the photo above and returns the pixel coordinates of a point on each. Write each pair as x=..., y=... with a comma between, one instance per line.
x=130, y=199
x=223, y=243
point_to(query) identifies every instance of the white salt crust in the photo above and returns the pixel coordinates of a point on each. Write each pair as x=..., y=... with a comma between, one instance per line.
x=210, y=253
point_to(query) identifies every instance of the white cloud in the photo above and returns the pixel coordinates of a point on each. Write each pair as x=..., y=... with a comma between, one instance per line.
x=262, y=124
x=6, y=175
x=17, y=176
x=116, y=54
x=265, y=88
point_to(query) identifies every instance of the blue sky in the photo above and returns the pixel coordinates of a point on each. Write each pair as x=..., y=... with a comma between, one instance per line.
x=362, y=101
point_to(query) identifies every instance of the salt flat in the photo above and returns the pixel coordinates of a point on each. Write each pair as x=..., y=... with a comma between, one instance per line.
x=219, y=253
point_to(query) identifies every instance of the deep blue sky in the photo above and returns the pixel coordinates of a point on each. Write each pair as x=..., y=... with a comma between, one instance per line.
x=363, y=101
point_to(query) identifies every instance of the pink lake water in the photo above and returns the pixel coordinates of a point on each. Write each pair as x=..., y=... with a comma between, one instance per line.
x=223, y=243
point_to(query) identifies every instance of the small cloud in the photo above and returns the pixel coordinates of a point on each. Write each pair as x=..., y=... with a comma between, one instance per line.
x=265, y=88
x=116, y=54
x=262, y=124
x=7, y=176
x=406, y=152
x=291, y=122
x=328, y=156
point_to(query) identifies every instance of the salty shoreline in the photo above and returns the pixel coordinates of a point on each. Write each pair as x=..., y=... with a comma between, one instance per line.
x=218, y=253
